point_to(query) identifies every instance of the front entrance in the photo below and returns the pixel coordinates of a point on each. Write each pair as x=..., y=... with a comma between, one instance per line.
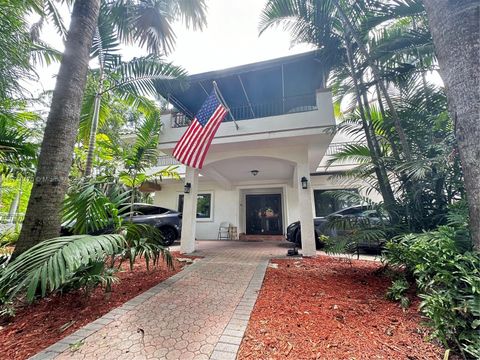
x=264, y=214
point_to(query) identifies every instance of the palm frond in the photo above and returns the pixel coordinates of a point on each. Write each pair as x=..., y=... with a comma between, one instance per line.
x=48, y=265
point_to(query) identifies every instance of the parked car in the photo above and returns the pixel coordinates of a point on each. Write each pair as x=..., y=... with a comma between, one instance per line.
x=168, y=221
x=322, y=225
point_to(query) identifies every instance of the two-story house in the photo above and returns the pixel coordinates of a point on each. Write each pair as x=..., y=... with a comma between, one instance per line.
x=263, y=175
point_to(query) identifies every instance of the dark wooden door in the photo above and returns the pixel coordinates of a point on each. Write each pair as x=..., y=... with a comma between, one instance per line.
x=264, y=214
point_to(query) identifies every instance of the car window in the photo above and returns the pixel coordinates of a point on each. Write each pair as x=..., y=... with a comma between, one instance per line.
x=149, y=210
x=351, y=211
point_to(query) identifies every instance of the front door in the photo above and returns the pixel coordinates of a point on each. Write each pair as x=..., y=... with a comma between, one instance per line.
x=264, y=214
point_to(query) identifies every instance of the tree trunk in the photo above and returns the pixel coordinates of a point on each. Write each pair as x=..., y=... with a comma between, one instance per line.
x=380, y=171
x=43, y=216
x=455, y=27
x=96, y=112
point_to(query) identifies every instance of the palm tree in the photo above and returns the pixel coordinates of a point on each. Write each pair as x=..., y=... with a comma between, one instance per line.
x=321, y=23
x=42, y=220
x=455, y=26
x=146, y=23
x=127, y=80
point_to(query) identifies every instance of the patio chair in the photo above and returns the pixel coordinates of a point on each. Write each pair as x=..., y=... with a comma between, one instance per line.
x=223, y=231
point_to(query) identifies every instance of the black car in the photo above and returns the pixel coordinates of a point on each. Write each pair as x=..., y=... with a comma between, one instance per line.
x=168, y=221
x=321, y=228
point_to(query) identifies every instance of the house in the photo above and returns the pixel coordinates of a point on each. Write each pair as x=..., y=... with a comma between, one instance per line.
x=265, y=174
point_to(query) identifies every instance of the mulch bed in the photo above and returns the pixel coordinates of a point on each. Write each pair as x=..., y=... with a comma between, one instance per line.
x=327, y=308
x=45, y=322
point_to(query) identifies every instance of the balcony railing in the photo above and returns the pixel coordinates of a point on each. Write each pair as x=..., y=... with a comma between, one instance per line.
x=335, y=148
x=167, y=160
x=287, y=105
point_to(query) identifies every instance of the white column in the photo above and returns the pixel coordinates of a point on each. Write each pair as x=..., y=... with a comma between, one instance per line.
x=305, y=210
x=189, y=216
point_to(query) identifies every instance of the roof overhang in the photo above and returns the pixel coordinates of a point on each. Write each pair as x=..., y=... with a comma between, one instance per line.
x=264, y=82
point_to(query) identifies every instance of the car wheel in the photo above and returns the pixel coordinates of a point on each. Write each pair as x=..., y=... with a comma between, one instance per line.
x=169, y=236
x=298, y=238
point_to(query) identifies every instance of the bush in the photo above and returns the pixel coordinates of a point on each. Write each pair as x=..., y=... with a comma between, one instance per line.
x=448, y=282
x=9, y=237
x=397, y=292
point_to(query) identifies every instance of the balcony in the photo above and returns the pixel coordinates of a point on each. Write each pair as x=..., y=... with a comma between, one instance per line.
x=287, y=105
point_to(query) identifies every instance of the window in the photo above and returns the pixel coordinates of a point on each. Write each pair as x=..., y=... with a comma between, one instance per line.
x=326, y=204
x=204, y=205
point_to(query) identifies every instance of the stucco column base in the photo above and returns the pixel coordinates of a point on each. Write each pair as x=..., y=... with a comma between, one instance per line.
x=189, y=215
x=305, y=204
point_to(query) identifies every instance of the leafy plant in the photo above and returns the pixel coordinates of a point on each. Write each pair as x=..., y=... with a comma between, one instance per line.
x=145, y=241
x=89, y=277
x=448, y=281
x=53, y=263
x=397, y=291
x=9, y=237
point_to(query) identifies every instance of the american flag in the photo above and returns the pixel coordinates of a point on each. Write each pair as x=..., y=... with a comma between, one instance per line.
x=193, y=146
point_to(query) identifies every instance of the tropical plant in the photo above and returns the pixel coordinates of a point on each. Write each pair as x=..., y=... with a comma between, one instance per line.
x=448, y=281
x=124, y=81
x=146, y=23
x=54, y=263
x=456, y=34
x=397, y=291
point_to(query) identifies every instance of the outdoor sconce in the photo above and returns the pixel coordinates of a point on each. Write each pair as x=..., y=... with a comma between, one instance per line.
x=254, y=172
x=187, y=187
x=304, y=182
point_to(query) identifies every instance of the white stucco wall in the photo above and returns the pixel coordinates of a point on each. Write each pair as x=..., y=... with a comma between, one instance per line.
x=228, y=205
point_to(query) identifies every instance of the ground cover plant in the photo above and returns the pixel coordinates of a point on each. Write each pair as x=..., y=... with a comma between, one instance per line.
x=328, y=308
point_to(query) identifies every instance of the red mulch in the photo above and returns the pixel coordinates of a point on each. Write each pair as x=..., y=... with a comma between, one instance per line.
x=325, y=308
x=38, y=326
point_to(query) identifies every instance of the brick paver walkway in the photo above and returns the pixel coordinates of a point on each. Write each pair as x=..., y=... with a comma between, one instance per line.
x=200, y=313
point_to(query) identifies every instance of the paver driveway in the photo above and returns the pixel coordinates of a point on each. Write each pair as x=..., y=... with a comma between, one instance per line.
x=199, y=313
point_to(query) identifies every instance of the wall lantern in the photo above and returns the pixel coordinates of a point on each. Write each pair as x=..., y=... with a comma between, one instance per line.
x=304, y=182
x=187, y=187
x=254, y=172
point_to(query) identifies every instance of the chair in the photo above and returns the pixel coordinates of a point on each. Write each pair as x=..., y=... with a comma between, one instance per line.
x=223, y=231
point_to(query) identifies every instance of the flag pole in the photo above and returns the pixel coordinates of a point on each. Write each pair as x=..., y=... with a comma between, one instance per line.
x=219, y=94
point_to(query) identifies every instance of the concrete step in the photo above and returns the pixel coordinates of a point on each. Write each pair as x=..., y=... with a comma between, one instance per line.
x=244, y=237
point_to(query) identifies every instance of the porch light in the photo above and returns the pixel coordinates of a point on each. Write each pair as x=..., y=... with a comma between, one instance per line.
x=187, y=187
x=304, y=182
x=254, y=172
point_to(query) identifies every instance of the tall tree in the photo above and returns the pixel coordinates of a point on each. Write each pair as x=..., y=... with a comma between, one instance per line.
x=455, y=27
x=42, y=220
x=144, y=22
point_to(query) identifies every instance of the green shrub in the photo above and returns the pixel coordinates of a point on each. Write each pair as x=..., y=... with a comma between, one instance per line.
x=448, y=282
x=397, y=292
x=9, y=237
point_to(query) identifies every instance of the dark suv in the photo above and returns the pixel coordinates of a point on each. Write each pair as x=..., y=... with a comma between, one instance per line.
x=321, y=228
x=168, y=221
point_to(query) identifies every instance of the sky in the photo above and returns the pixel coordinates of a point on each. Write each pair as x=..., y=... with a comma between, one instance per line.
x=230, y=39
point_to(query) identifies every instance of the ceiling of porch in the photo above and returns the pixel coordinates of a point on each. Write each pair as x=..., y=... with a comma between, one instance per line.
x=239, y=170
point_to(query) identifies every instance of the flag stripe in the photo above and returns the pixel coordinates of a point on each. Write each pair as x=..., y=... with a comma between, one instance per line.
x=206, y=146
x=186, y=137
x=202, y=135
x=192, y=148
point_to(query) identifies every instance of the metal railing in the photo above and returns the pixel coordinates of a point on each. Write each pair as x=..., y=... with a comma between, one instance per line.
x=167, y=160
x=6, y=218
x=335, y=148
x=287, y=105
